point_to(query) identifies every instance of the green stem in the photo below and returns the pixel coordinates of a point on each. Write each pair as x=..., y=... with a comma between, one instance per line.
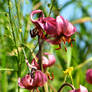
x=72, y=80
x=14, y=38
x=11, y=23
x=65, y=78
x=17, y=4
x=7, y=69
x=85, y=62
x=51, y=7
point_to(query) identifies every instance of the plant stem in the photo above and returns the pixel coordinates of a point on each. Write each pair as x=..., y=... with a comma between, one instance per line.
x=7, y=69
x=51, y=7
x=66, y=84
x=40, y=58
x=11, y=23
x=14, y=38
x=84, y=63
x=17, y=4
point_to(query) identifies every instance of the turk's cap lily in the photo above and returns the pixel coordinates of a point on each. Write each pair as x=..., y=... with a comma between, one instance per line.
x=47, y=60
x=29, y=83
x=64, y=30
x=53, y=30
x=70, y=29
x=39, y=21
x=44, y=23
x=81, y=89
x=89, y=76
x=56, y=27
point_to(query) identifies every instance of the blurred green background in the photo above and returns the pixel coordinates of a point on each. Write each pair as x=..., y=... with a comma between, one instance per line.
x=15, y=28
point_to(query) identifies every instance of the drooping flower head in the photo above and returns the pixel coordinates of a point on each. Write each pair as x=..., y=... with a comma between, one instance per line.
x=81, y=89
x=89, y=76
x=57, y=30
x=38, y=23
x=29, y=82
x=47, y=60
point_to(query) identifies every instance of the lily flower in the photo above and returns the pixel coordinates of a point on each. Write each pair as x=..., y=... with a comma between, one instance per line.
x=38, y=23
x=64, y=31
x=47, y=61
x=29, y=82
x=89, y=76
x=57, y=30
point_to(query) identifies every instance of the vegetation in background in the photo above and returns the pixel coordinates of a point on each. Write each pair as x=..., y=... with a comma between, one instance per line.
x=15, y=28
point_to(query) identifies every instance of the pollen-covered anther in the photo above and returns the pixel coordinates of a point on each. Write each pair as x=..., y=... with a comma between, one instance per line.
x=50, y=77
x=63, y=39
x=69, y=40
x=58, y=30
x=43, y=36
x=65, y=49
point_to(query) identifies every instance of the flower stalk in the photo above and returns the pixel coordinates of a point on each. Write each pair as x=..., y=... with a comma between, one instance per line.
x=14, y=38
x=17, y=4
x=40, y=53
x=51, y=7
x=40, y=42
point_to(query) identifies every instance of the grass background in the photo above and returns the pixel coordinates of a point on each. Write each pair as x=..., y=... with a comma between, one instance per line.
x=15, y=28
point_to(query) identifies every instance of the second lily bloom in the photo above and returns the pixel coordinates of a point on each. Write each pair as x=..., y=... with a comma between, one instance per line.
x=47, y=61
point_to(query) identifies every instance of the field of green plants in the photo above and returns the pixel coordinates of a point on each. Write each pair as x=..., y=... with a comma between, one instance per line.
x=46, y=44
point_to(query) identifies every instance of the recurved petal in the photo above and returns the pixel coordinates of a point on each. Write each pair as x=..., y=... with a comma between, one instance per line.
x=70, y=29
x=45, y=61
x=51, y=58
x=61, y=25
x=50, y=26
x=39, y=22
x=20, y=83
x=35, y=12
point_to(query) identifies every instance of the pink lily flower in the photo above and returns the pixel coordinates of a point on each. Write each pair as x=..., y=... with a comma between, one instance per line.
x=64, y=30
x=47, y=62
x=58, y=29
x=28, y=82
x=89, y=76
x=81, y=89
x=43, y=23
x=64, y=27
